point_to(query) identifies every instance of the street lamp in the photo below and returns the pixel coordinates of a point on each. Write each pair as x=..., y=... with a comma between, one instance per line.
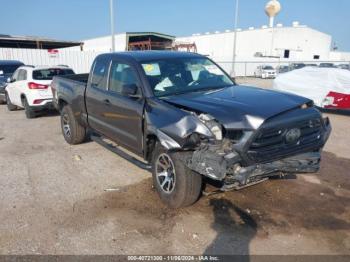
x=111, y=9
x=233, y=73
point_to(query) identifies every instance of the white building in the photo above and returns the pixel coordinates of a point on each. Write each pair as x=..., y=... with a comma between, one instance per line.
x=274, y=45
x=295, y=43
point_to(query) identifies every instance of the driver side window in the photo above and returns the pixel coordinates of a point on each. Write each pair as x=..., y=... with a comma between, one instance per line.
x=120, y=75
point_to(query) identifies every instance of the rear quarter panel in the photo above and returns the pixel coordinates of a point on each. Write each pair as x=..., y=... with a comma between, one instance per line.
x=72, y=93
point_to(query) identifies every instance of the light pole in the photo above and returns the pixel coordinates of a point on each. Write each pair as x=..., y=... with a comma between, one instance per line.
x=233, y=73
x=111, y=9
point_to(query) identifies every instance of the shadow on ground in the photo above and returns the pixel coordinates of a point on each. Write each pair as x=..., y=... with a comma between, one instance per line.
x=284, y=206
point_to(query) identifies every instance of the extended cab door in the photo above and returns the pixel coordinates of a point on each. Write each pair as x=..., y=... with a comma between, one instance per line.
x=114, y=114
x=124, y=113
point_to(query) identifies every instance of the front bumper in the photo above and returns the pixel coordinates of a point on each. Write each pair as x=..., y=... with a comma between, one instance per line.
x=235, y=171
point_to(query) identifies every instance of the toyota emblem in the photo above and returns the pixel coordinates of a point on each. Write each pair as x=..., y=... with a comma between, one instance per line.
x=293, y=135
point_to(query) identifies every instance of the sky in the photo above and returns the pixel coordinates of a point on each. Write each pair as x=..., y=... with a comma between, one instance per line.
x=84, y=19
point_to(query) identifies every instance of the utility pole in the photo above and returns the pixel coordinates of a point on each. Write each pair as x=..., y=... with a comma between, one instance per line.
x=111, y=7
x=233, y=72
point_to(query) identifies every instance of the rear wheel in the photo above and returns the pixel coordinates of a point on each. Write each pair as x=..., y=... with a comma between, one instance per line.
x=10, y=106
x=72, y=131
x=176, y=184
x=30, y=113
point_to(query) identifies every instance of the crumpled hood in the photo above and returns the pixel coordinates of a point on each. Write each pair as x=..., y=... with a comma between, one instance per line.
x=239, y=107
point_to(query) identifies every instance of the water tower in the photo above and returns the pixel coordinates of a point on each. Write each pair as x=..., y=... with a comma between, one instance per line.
x=272, y=9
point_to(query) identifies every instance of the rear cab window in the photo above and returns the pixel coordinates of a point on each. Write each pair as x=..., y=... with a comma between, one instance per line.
x=99, y=73
x=48, y=74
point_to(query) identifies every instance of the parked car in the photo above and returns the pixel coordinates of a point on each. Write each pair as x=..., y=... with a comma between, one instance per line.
x=186, y=118
x=327, y=65
x=7, y=68
x=29, y=88
x=344, y=66
x=328, y=88
x=296, y=66
x=283, y=69
x=265, y=71
x=311, y=65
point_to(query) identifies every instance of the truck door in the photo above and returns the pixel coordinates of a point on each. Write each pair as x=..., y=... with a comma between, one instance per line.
x=123, y=113
x=112, y=114
x=97, y=94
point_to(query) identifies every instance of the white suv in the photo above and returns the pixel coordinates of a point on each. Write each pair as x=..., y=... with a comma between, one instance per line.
x=29, y=88
x=265, y=71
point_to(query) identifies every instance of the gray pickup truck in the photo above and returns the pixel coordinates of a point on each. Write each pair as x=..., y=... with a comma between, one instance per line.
x=185, y=119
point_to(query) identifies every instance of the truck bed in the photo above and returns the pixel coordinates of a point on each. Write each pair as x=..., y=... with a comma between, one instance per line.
x=72, y=89
x=82, y=78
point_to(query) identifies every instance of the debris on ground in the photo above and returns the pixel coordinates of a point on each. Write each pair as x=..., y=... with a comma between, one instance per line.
x=77, y=157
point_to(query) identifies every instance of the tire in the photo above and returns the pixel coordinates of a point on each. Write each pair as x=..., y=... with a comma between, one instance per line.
x=30, y=113
x=10, y=106
x=72, y=131
x=185, y=187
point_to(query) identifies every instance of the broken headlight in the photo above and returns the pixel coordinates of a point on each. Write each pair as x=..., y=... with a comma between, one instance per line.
x=214, y=127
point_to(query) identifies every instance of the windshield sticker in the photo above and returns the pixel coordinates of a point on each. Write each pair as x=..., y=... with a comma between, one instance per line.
x=151, y=69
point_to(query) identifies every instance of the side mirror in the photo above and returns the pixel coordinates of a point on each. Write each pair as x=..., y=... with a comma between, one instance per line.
x=8, y=80
x=130, y=90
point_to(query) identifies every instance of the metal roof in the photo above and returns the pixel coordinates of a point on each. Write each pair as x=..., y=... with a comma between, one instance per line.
x=34, y=42
x=170, y=37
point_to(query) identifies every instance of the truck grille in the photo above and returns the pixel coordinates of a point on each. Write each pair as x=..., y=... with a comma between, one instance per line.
x=273, y=143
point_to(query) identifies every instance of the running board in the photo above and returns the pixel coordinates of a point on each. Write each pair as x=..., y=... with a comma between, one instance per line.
x=120, y=153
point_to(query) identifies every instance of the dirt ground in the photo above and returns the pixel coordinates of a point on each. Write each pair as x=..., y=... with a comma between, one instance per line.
x=61, y=199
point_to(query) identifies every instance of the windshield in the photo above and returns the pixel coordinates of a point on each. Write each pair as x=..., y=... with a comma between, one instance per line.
x=48, y=74
x=8, y=69
x=268, y=68
x=183, y=75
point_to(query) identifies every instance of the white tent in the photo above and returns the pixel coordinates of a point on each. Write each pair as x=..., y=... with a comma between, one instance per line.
x=316, y=84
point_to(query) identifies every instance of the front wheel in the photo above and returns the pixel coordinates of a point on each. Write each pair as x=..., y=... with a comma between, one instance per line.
x=176, y=184
x=72, y=131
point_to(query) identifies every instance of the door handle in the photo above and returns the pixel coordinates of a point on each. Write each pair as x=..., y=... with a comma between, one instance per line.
x=106, y=102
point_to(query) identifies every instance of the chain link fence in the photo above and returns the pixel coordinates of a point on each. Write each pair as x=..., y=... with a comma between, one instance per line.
x=250, y=68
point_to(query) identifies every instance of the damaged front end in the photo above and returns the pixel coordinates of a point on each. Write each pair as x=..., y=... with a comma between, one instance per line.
x=273, y=149
x=251, y=149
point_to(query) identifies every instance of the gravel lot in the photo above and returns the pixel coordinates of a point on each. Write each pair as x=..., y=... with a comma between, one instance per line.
x=61, y=199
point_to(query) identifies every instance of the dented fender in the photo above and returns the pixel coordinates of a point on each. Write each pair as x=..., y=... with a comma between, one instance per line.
x=171, y=125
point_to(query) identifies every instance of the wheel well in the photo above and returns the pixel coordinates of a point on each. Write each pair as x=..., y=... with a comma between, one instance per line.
x=151, y=141
x=61, y=104
x=22, y=98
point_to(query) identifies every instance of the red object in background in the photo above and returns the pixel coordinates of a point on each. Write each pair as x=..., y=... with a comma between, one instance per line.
x=52, y=51
x=340, y=101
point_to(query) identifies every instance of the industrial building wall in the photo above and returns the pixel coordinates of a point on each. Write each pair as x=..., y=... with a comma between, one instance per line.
x=78, y=60
x=103, y=44
x=302, y=42
x=340, y=56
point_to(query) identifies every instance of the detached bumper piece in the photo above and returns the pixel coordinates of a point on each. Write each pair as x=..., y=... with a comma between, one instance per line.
x=244, y=176
x=226, y=168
